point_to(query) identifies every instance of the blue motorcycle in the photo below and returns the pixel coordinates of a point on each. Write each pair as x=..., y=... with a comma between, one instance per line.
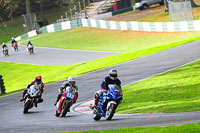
x=108, y=103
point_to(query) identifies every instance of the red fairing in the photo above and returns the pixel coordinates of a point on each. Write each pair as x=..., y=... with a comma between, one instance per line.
x=60, y=102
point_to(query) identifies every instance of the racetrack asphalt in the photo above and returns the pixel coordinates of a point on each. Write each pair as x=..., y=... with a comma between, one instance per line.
x=42, y=119
x=53, y=56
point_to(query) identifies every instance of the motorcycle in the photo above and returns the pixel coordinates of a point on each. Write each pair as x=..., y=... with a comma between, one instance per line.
x=15, y=46
x=108, y=103
x=30, y=49
x=5, y=51
x=65, y=102
x=31, y=98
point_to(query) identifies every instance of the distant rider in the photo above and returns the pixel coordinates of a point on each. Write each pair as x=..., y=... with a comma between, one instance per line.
x=29, y=45
x=13, y=41
x=111, y=79
x=38, y=84
x=70, y=82
x=4, y=45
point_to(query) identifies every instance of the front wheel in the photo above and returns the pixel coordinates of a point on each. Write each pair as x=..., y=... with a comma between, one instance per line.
x=110, y=111
x=65, y=108
x=27, y=106
x=96, y=117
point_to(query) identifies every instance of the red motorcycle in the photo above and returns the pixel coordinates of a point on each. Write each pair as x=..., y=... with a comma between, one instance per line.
x=15, y=46
x=30, y=49
x=66, y=101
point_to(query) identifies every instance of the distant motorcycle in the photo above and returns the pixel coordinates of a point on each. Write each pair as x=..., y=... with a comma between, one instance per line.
x=31, y=98
x=65, y=102
x=30, y=49
x=5, y=51
x=108, y=103
x=15, y=46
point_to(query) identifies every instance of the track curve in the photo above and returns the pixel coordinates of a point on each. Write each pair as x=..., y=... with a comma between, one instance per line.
x=53, y=56
x=42, y=119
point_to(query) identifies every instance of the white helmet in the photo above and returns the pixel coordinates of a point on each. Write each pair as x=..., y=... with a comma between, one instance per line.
x=71, y=79
x=12, y=37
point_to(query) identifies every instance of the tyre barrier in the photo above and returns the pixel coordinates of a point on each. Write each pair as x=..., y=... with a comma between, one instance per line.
x=2, y=87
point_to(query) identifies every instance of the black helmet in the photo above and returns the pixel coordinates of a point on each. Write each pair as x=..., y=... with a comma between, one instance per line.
x=113, y=73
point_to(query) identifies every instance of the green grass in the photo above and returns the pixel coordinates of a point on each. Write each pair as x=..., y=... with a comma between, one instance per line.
x=26, y=73
x=174, y=91
x=110, y=40
x=186, y=128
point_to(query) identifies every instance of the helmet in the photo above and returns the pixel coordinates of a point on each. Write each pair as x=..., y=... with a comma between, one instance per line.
x=12, y=37
x=113, y=73
x=4, y=43
x=38, y=78
x=71, y=80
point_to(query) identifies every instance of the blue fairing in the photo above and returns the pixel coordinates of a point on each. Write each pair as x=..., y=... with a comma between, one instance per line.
x=112, y=94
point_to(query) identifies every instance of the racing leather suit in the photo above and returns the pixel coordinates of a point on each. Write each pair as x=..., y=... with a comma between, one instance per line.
x=104, y=87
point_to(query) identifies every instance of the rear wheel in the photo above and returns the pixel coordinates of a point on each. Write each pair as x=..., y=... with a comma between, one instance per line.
x=96, y=117
x=65, y=108
x=27, y=106
x=145, y=6
x=110, y=111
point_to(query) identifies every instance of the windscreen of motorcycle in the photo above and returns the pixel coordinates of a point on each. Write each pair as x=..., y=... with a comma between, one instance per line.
x=115, y=87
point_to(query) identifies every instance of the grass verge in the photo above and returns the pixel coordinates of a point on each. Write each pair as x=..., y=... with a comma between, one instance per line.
x=111, y=40
x=174, y=91
x=186, y=128
x=16, y=76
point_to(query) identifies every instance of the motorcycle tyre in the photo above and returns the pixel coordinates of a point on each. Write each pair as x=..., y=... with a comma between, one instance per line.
x=66, y=108
x=96, y=117
x=27, y=106
x=110, y=112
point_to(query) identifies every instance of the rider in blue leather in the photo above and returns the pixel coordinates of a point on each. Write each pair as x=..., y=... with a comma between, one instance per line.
x=111, y=79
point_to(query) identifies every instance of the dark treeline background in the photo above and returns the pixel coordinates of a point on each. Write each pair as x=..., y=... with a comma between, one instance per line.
x=12, y=8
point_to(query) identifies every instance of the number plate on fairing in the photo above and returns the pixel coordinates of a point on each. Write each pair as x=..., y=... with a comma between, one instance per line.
x=70, y=95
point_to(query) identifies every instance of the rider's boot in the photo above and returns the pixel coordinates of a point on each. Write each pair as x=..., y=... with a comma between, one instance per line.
x=21, y=100
x=24, y=93
x=94, y=106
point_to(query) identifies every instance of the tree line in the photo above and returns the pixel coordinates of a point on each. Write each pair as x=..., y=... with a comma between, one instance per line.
x=11, y=8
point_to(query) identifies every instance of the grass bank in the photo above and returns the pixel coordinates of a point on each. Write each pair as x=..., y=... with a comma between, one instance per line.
x=25, y=73
x=186, y=128
x=111, y=40
x=174, y=91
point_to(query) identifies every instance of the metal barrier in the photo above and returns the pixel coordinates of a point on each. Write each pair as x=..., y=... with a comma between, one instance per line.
x=2, y=87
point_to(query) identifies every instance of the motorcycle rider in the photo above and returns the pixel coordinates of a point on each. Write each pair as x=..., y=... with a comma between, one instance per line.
x=111, y=79
x=29, y=45
x=38, y=84
x=70, y=82
x=13, y=41
x=4, y=45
